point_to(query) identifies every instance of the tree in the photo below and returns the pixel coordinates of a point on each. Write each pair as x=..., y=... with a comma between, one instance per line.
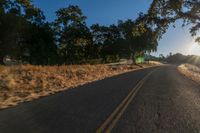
x=73, y=35
x=162, y=13
x=137, y=40
x=12, y=26
x=23, y=34
x=121, y=41
x=40, y=46
x=106, y=38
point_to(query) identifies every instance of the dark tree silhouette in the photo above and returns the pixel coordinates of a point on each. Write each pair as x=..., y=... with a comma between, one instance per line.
x=74, y=36
x=164, y=12
x=26, y=36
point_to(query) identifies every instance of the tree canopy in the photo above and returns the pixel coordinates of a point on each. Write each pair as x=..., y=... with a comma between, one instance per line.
x=162, y=13
x=26, y=36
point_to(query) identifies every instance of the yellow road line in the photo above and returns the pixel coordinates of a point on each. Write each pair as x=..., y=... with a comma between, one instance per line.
x=111, y=121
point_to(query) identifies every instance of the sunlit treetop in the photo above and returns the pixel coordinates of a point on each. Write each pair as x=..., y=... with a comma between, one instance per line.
x=162, y=13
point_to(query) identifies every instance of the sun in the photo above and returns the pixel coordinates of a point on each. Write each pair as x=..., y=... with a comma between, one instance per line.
x=194, y=49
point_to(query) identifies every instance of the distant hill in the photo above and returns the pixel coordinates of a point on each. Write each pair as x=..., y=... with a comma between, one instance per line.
x=179, y=59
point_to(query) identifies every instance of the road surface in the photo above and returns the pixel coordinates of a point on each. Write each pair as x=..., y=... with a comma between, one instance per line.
x=153, y=100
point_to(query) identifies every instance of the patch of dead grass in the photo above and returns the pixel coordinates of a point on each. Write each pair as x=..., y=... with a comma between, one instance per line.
x=191, y=71
x=26, y=82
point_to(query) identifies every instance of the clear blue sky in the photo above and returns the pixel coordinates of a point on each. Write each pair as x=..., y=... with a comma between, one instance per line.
x=107, y=12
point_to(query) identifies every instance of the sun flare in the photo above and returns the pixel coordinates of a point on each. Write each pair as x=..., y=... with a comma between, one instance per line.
x=194, y=49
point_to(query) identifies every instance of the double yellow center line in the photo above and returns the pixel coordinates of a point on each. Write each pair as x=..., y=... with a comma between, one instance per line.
x=112, y=120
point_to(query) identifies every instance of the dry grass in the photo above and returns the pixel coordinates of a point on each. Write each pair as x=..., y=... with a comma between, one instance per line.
x=190, y=71
x=155, y=63
x=27, y=82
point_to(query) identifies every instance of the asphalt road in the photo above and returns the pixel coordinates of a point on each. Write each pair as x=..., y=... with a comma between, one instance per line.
x=165, y=102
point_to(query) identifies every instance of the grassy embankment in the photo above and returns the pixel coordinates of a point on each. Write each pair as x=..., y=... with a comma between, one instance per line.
x=25, y=83
x=190, y=71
